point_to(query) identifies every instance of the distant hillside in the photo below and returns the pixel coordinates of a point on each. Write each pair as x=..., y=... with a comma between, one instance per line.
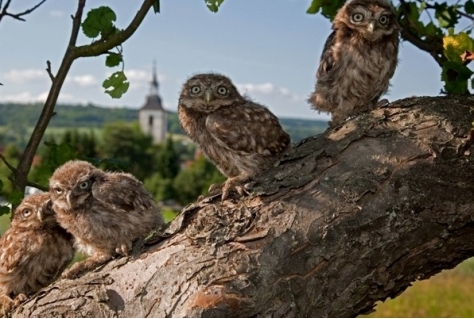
x=23, y=116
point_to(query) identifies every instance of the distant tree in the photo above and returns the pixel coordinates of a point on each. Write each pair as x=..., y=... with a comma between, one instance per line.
x=195, y=180
x=131, y=146
x=168, y=163
x=161, y=188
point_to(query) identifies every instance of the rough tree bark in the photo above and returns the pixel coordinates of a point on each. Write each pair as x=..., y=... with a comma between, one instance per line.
x=345, y=219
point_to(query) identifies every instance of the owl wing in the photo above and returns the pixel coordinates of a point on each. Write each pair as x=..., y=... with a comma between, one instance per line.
x=122, y=191
x=248, y=128
x=327, y=62
x=15, y=250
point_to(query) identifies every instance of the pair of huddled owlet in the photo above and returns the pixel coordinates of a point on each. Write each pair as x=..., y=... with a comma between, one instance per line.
x=244, y=138
x=98, y=213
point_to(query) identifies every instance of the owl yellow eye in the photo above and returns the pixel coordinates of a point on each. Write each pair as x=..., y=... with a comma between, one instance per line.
x=357, y=17
x=383, y=19
x=26, y=212
x=222, y=90
x=195, y=89
x=84, y=185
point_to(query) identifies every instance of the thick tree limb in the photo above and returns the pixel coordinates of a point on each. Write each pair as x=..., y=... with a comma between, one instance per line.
x=347, y=218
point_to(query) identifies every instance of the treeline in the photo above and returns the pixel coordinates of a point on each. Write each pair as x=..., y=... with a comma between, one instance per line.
x=18, y=119
x=171, y=171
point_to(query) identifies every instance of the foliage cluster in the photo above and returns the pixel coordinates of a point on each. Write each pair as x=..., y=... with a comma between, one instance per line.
x=430, y=25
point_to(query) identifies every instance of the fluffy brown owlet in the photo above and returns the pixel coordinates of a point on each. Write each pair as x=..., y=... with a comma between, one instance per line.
x=358, y=60
x=242, y=138
x=33, y=251
x=104, y=211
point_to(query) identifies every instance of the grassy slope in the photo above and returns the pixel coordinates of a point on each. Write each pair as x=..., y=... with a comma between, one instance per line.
x=449, y=294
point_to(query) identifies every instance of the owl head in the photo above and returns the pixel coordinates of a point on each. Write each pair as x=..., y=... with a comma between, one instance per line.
x=70, y=185
x=207, y=92
x=370, y=19
x=35, y=211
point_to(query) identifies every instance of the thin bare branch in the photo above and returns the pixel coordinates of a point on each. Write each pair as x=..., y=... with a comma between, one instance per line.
x=18, y=16
x=26, y=160
x=48, y=69
x=10, y=167
x=38, y=186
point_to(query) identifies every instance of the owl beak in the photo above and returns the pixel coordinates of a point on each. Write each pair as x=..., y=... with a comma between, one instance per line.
x=208, y=96
x=371, y=26
x=39, y=214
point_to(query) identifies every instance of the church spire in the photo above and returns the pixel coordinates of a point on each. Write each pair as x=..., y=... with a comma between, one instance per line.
x=154, y=81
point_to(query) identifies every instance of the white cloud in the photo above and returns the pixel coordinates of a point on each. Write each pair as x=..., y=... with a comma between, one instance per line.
x=270, y=90
x=23, y=76
x=83, y=80
x=56, y=13
x=28, y=97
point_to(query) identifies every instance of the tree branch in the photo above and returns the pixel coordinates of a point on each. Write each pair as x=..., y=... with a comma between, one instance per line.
x=345, y=219
x=24, y=166
x=434, y=46
x=18, y=16
x=98, y=48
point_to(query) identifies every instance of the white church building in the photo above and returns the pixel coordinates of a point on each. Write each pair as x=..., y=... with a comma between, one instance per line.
x=152, y=116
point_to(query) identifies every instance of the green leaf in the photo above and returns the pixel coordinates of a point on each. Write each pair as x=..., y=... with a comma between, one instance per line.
x=447, y=15
x=328, y=8
x=156, y=6
x=456, y=76
x=213, y=5
x=469, y=7
x=113, y=59
x=116, y=85
x=4, y=210
x=455, y=45
x=422, y=6
x=99, y=21
x=315, y=6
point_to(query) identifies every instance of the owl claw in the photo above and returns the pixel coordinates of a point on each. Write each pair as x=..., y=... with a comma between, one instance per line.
x=233, y=185
x=382, y=103
x=124, y=249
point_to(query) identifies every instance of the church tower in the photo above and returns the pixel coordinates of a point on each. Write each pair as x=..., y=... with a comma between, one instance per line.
x=152, y=116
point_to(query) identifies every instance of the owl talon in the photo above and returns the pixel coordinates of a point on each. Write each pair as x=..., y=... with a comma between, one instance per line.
x=124, y=249
x=382, y=103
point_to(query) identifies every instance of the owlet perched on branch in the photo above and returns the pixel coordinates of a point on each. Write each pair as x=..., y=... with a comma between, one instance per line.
x=241, y=137
x=33, y=251
x=104, y=211
x=358, y=60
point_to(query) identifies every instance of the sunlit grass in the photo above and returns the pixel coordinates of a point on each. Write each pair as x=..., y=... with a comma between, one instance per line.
x=448, y=294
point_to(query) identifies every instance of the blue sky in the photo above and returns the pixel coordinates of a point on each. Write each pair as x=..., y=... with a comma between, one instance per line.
x=269, y=48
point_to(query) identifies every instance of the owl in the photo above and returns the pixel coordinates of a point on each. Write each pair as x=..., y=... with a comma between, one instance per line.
x=34, y=251
x=242, y=138
x=104, y=211
x=358, y=60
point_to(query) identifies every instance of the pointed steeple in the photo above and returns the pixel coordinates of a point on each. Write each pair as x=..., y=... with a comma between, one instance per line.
x=154, y=81
x=153, y=100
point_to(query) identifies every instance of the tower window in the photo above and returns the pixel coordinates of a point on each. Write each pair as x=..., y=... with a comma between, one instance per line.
x=150, y=120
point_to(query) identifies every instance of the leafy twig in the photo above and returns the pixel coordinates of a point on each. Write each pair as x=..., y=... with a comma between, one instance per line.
x=71, y=54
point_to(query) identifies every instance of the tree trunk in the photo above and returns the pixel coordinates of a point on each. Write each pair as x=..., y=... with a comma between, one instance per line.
x=345, y=219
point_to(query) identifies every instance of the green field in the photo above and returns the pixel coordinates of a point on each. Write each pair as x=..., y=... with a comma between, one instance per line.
x=449, y=294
